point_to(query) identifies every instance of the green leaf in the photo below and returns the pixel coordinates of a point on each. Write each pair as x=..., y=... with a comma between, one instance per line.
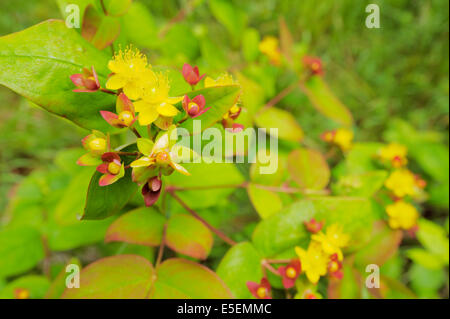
x=383, y=245
x=285, y=122
x=326, y=102
x=285, y=230
x=240, y=264
x=183, y=279
x=309, y=169
x=105, y=201
x=143, y=226
x=365, y=184
x=349, y=287
x=117, y=7
x=434, y=238
x=250, y=42
x=139, y=26
x=188, y=236
x=98, y=29
x=35, y=285
x=266, y=203
x=425, y=258
x=20, y=250
x=232, y=18
x=38, y=62
x=116, y=277
x=220, y=99
x=58, y=285
x=204, y=175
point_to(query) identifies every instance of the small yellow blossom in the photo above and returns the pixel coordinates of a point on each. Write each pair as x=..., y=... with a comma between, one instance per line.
x=332, y=240
x=314, y=261
x=402, y=215
x=401, y=182
x=156, y=101
x=130, y=73
x=343, y=138
x=269, y=47
x=394, y=153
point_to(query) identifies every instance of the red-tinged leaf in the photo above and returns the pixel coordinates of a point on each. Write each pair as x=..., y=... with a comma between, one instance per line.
x=99, y=29
x=326, y=102
x=309, y=169
x=116, y=277
x=189, y=236
x=143, y=226
x=183, y=279
x=383, y=244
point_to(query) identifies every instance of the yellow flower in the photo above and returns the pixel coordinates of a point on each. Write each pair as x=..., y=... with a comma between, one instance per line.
x=156, y=101
x=157, y=155
x=402, y=215
x=343, y=138
x=314, y=261
x=332, y=240
x=394, y=153
x=130, y=73
x=269, y=47
x=401, y=182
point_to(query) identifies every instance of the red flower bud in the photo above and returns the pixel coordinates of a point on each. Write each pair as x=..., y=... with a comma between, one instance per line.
x=314, y=65
x=290, y=272
x=261, y=290
x=86, y=81
x=191, y=74
x=195, y=107
x=335, y=267
x=313, y=226
x=152, y=190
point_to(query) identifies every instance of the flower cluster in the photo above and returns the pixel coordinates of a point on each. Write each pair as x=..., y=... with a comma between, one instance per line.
x=143, y=99
x=402, y=184
x=341, y=137
x=322, y=256
x=269, y=46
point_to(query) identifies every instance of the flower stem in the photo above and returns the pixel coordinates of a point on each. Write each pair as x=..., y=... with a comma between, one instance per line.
x=133, y=129
x=108, y=91
x=161, y=247
x=221, y=235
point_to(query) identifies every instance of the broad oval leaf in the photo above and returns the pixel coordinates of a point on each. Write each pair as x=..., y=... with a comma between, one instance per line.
x=308, y=168
x=240, y=264
x=117, y=7
x=188, y=236
x=266, y=203
x=98, y=29
x=183, y=279
x=105, y=201
x=142, y=226
x=285, y=122
x=116, y=277
x=326, y=102
x=38, y=62
x=20, y=250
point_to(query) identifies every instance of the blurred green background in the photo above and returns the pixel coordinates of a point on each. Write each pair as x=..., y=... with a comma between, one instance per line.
x=395, y=80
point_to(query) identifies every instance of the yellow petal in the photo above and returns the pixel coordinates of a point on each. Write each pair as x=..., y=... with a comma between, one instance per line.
x=166, y=109
x=141, y=106
x=142, y=162
x=148, y=116
x=179, y=168
x=175, y=100
x=114, y=66
x=132, y=91
x=161, y=144
x=115, y=82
